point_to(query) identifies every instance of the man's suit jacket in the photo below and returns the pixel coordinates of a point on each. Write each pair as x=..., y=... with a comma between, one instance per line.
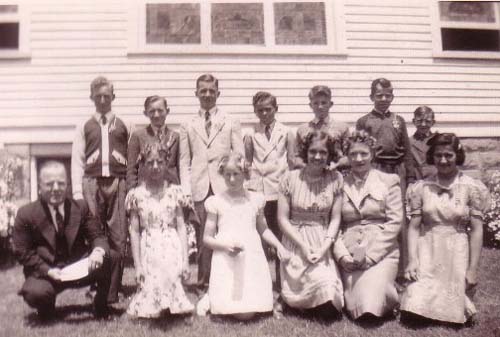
x=200, y=154
x=270, y=158
x=139, y=140
x=34, y=235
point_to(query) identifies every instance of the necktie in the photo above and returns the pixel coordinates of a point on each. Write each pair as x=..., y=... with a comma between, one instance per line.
x=59, y=221
x=267, y=131
x=208, y=123
x=104, y=120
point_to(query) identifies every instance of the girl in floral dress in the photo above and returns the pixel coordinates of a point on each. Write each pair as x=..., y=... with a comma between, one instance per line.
x=158, y=239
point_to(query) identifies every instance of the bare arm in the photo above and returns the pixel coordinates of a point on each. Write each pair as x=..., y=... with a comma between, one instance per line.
x=135, y=239
x=270, y=238
x=475, y=247
x=333, y=227
x=411, y=270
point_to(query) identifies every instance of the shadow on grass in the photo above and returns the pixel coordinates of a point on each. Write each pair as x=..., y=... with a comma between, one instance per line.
x=69, y=314
x=416, y=322
x=167, y=322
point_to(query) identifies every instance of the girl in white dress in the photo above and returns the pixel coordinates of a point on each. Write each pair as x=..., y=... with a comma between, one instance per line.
x=240, y=280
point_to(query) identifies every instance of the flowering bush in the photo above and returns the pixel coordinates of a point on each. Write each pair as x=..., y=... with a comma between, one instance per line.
x=492, y=216
x=10, y=174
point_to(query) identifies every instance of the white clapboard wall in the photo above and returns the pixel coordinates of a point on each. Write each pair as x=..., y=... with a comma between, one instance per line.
x=45, y=96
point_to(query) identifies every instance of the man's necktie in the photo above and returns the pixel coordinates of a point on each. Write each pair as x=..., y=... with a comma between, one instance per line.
x=208, y=123
x=267, y=131
x=104, y=120
x=59, y=220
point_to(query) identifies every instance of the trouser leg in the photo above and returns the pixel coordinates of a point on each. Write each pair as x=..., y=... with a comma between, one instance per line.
x=271, y=215
x=39, y=293
x=204, y=253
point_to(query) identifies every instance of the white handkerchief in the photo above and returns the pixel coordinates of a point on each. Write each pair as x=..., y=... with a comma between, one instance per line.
x=75, y=271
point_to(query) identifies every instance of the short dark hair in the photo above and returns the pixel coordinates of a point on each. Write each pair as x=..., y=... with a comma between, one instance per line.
x=445, y=139
x=98, y=82
x=384, y=83
x=423, y=110
x=207, y=78
x=264, y=96
x=320, y=90
x=151, y=99
x=319, y=136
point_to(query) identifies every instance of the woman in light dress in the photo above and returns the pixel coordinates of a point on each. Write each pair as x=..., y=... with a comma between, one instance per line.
x=240, y=281
x=444, y=237
x=367, y=248
x=158, y=239
x=309, y=204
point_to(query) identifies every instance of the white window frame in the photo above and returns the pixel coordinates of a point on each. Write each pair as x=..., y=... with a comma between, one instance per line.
x=23, y=17
x=437, y=43
x=335, y=30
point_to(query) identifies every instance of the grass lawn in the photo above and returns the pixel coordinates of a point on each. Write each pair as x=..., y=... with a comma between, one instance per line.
x=75, y=316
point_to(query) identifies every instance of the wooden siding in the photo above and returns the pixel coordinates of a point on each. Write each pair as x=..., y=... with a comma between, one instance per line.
x=42, y=98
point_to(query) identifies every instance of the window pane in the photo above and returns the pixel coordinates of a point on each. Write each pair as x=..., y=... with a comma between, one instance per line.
x=238, y=23
x=468, y=11
x=300, y=23
x=8, y=8
x=173, y=23
x=9, y=35
x=470, y=39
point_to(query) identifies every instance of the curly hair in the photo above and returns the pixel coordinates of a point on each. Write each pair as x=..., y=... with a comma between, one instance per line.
x=237, y=159
x=445, y=139
x=319, y=136
x=151, y=149
x=359, y=137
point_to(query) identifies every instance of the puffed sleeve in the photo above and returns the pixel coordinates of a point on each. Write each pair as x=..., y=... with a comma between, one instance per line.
x=479, y=199
x=131, y=202
x=414, y=198
x=284, y=186
x=259, y=201
x=211, y=205
x=183, y=201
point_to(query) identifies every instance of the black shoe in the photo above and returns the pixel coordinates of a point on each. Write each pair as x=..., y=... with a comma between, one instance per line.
x=47, y=314
x=101, y=309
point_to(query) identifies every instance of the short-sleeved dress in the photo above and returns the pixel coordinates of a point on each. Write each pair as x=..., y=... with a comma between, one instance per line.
x=443, y=247
x=306, y=285
x=241, y=283
x=161, y=254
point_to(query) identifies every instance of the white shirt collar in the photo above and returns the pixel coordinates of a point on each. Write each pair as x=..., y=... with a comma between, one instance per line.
x=108, y=116
x=212, y=112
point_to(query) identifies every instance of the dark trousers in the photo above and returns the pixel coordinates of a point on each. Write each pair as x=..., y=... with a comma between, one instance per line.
x=106, y=199
x=40, y=292
x=204, y=253
x=271, y=215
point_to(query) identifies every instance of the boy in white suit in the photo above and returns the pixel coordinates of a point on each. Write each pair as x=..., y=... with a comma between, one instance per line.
x=269, y=150
x=204, y=140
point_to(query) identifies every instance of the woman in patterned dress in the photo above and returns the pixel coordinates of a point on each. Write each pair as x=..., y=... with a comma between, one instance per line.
x=309, y=215
x=158, y=239
x=444, y=237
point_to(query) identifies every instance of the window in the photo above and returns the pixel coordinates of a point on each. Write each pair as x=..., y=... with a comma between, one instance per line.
x=237, y=26
x=14, y=30
x=467, y=29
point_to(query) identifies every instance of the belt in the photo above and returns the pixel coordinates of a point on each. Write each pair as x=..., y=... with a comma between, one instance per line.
x=310, y=218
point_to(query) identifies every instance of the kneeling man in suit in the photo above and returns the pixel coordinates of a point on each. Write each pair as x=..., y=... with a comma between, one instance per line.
x=56, y=231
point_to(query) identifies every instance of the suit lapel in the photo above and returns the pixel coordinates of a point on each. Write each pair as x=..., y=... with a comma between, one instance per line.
x=218, y=122
x=349, y=189
x=46, y=225
x=276, y=135
x=71, y=222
